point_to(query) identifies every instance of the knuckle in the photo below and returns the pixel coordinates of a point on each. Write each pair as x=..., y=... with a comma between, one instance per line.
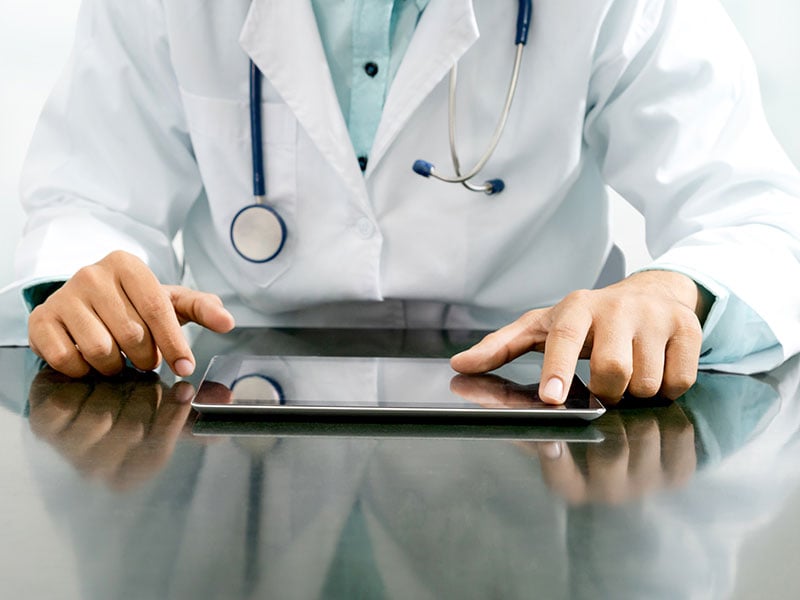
x=38, y=317
x=645, y=387
x=529, y=318
x=59, y=358
x=565, y=330
x=610, y=366
x=675, y=385
x=577, y=297
x=96, y=350
x=90, y=277
x=155, y=306
x=66, y=361
x=686, y=323
x=119, y=257
x=130, y=334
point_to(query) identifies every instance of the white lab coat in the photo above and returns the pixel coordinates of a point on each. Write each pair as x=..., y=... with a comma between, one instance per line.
x=147, y=134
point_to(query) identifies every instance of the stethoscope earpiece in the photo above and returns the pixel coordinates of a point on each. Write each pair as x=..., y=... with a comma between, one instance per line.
x=422, y=167
x=495, y=186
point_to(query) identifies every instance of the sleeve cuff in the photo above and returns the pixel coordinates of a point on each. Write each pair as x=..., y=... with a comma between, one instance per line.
x=36, y=294
x=735, y=338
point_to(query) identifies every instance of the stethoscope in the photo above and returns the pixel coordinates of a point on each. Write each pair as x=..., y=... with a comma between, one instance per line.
x=258, y=232
x=493, y=186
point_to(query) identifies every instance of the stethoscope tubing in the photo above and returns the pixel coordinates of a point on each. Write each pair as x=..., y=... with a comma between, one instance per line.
x=256, y=135
x=498, y=131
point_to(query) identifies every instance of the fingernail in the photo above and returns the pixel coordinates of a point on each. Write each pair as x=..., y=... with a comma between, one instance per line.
x=553, y=390
x=551, y=450
x=183, y=367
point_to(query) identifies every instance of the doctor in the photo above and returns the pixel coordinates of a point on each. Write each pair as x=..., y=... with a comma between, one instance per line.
x=148, y=135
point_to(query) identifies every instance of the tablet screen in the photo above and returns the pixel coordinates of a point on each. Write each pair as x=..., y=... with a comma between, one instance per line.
x=381, y=387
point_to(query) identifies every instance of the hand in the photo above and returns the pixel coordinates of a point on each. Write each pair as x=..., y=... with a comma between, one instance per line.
x=120, y=431
x=116, y=307
x=642, y=334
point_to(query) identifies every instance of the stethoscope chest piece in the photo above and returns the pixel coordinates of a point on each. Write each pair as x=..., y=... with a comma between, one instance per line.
x=258, y=233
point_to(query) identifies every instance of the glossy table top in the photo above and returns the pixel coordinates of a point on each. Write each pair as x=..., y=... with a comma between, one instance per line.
x=113, y=488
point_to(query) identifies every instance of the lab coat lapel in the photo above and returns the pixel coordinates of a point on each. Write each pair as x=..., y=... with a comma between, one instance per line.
x=282, y=38
x=447, y=29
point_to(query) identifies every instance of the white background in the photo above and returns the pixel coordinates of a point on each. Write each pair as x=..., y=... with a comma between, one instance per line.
x=35, y=37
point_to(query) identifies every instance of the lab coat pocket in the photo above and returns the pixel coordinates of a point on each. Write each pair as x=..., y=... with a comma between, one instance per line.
x=220, y=132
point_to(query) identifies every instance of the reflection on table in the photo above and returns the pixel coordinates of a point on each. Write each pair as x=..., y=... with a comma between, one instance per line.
x=156, y=505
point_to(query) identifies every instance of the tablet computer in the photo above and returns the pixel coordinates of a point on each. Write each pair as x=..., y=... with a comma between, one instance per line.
x=382, y=387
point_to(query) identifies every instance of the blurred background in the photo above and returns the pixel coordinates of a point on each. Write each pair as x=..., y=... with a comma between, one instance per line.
x=35, y=38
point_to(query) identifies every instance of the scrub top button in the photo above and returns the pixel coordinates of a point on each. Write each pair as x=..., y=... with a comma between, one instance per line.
x=365, y=227
x=371, y=69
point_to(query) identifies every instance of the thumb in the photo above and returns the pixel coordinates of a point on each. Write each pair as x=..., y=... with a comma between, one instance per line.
x=503, y=345
x=201, y=308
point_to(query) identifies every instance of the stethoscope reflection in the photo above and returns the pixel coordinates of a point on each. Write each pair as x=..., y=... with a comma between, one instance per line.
x=121, y=431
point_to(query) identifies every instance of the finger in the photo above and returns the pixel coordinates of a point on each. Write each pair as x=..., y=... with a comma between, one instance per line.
x=93, y=422
x=503, y=345
x=682, y=355
x=565, y=341
x=644, y=467
x=648, y=366
x=127, y=328
x=201, y=308
x=153, y=304
x=50, y=340
x=54, y=403
x=213, y=392
x=561, y=473
x=134, y=404
x=611, y=363
x=149, y=458
x=93, y=339
x=607, y=464
x=679, y=456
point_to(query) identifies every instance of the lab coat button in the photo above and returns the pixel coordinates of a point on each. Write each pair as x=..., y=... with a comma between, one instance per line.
x=365, y=227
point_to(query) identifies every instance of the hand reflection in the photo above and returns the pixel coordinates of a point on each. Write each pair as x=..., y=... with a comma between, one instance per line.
x=493, y=391
x=643, y=452
x=119, y=430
